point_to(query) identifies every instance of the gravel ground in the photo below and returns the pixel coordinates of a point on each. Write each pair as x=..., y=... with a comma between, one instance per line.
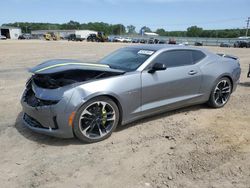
x=192, y=147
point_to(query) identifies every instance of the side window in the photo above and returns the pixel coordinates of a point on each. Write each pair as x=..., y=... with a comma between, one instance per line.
x=175, y=58
x=197, y=55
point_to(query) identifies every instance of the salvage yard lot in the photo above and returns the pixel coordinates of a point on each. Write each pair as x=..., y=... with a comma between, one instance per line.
x=191, y=147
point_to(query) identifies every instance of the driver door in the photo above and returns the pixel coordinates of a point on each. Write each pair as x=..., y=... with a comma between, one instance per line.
x=173, y=87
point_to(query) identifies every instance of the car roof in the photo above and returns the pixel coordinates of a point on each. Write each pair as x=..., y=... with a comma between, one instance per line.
x=156, y=47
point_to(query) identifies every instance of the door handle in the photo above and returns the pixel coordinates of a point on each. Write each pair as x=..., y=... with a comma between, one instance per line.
x=192, y=72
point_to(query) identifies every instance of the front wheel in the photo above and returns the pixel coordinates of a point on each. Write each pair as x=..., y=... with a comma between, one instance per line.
x=96, y=120
x=221, y=93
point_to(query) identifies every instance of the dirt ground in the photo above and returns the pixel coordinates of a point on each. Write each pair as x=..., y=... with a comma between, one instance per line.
x=191, y=147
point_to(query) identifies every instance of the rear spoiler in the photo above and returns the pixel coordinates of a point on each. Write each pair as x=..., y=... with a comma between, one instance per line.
x=228, y=56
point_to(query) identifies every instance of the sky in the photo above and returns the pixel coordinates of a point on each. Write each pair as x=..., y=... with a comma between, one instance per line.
x=167, y=14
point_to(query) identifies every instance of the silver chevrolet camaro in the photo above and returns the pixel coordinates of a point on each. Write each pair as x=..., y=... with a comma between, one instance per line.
x=67, y=98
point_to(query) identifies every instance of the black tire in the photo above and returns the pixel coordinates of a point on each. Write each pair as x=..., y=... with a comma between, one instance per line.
x=214, y=95
x=77, y=125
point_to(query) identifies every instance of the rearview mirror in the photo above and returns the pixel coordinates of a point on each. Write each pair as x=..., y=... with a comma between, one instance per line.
x=157, y=67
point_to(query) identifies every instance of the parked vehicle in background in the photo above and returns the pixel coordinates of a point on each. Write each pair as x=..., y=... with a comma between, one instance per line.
x=47, y=36
x=198, y=44
x=74, y=37
x=184, y=44
x=115, y=39
x=83, y=34
x=2, y=37
x=244, y=38
x=135, y=40
x=118, y=39
x=156, y=41
x=25, y=36
x=21, y=37
x=162, y=42
x=127, y=40
x=99, y=37
x=153, y=41
x=223, y=44
x=242, y=44
x=92, y=38
x=122, y=39
x=51, y=36
x=143, y=41
x=111, y=38
x=172, y=41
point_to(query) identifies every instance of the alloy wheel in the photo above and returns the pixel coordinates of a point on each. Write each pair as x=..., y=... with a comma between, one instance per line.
x=97, y=120
x=222, y=92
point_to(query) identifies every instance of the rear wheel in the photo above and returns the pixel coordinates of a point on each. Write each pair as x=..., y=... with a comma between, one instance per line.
x=96, y=120
x=220, y=93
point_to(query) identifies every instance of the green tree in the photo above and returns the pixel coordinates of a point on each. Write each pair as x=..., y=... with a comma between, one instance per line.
x=205, y=33
x=118, y=29
x=131, y=29
x=145, y=29
x=73, y=24
x=70, y=25
x=194, y=31
x=161, y=32
x=99, y=26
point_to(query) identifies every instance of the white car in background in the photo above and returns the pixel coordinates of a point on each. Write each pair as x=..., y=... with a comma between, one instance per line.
x=127, y=39
x=122, y=39
x=118, y=39
x=2, y=37
x=184, y=44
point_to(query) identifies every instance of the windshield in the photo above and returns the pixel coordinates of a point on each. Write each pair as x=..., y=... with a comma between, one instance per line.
x=127, y=59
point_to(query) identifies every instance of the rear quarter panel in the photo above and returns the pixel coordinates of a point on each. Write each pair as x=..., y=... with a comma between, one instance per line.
x=216, y=67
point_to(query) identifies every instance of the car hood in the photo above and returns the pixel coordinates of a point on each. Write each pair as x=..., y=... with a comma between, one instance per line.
x=61, y=65
x=55, y=74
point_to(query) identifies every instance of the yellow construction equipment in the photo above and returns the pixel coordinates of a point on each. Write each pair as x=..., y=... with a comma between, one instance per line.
x=51, y=36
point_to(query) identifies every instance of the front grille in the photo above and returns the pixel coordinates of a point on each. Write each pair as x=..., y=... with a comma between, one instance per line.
x=33, y=101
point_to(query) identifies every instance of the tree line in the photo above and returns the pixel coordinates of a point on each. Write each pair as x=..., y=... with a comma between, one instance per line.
x=27, y=27
x=120, y=29
x=195, y=31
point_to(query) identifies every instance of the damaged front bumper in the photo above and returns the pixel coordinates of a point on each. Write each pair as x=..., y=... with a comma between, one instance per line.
x=48, y=117
x=52, y=94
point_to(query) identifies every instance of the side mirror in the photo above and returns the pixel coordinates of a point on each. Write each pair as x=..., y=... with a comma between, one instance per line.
x=157, y=67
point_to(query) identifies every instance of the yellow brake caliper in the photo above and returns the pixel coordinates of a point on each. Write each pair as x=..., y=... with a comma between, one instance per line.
x=104, y=117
